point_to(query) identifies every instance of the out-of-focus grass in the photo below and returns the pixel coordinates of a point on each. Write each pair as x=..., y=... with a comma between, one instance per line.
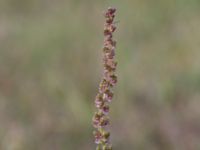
x=50, y=66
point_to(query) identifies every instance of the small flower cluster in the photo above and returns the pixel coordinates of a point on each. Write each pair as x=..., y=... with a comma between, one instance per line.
x=105, y=94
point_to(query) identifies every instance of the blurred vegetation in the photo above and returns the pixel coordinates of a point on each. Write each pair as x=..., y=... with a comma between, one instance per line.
x=50, y=67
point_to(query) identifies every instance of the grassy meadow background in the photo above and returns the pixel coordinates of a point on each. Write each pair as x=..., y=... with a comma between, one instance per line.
x=50, y=68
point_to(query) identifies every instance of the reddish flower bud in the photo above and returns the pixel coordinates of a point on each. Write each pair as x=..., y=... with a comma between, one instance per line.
x=108, y=95
x=97, y=136
x=113, y=80
x=105, y=109
x=97, y=119
x=99, y=100
x=111, y=10
x=104, y=121
x=104, y=85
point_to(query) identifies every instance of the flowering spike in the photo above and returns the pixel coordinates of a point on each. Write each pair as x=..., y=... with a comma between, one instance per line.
x=105, y=94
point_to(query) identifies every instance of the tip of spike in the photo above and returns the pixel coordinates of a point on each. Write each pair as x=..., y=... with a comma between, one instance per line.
x=112, y=9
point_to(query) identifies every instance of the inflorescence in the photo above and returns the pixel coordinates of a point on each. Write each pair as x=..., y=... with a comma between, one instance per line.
x=105, y=93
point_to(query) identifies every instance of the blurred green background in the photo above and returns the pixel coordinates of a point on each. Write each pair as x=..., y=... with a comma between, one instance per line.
x=50, y=68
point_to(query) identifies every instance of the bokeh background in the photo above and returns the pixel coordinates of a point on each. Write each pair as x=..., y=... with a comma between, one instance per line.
x=50, y=68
